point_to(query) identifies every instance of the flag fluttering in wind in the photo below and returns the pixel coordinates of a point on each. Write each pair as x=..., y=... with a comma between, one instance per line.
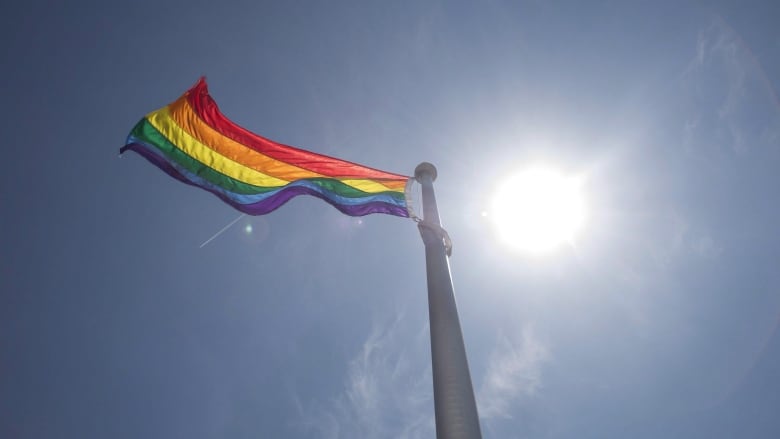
x=193, y=141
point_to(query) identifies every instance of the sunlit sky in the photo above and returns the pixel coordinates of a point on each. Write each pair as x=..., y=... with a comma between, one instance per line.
x=658, y=319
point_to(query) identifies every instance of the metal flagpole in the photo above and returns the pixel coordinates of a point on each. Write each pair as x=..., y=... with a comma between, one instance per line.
x=453, y=395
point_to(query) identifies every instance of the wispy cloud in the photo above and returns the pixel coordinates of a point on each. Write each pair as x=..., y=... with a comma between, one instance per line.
x=387, y=390
x=734, y=102
x=514, y=372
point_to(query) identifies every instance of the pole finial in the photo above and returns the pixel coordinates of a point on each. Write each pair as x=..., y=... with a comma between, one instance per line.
x=424, y=168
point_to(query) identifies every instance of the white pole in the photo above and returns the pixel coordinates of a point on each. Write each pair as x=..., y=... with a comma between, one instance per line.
x=453, y=394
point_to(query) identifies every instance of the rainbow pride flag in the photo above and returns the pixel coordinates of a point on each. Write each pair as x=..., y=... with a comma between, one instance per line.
x=193, y=141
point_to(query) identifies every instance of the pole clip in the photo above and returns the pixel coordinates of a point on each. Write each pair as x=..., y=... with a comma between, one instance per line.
x=439, y=232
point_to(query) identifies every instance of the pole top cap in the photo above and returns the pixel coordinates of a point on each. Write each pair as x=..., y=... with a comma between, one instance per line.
x=424, y=168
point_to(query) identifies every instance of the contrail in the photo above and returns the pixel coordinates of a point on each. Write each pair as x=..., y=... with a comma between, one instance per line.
x=223, y=230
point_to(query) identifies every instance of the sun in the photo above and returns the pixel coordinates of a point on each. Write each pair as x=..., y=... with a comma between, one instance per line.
x=538, y=210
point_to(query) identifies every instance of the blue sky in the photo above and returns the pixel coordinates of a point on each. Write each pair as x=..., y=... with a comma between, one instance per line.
x=660, y=321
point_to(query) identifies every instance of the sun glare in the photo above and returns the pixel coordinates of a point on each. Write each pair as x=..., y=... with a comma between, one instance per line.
x=538, y=210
